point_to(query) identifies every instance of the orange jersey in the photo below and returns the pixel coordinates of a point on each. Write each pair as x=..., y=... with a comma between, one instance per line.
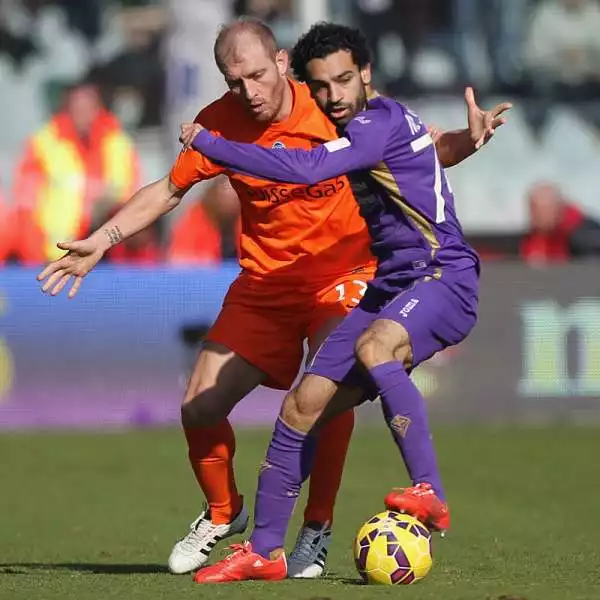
x=289, y=231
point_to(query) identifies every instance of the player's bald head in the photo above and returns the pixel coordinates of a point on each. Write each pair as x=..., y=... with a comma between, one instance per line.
x=235, y=38
x=254, y=69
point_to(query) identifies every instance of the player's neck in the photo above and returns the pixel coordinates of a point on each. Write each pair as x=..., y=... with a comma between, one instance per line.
x=371, y=92
x=287, y=105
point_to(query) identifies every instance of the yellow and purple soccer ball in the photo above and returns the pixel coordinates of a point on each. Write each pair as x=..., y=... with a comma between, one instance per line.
x=393, y=549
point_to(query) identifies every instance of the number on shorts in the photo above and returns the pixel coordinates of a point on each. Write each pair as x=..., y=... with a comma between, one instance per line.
x=355, y=299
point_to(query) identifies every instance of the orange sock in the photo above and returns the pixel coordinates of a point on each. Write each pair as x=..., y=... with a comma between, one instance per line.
x=211, y=451
x=326, y=475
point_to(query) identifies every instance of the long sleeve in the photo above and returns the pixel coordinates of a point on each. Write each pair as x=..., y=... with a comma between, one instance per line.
x=362, y=147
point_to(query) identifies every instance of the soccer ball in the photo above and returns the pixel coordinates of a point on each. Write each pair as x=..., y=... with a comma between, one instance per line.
x=393, y=548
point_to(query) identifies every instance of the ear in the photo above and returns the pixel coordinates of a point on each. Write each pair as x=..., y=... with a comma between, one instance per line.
x=282, y=60
x=365, y=75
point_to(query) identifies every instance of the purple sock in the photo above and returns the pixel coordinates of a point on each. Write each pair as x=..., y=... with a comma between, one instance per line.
x=406, y=415
x=287, y=466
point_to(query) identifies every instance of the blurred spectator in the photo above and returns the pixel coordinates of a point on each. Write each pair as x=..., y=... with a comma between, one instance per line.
x=80, y=161
x=396, y=31
x=192, y=77
x=84, y=16
x=133, y=82
x=208, y=231
x=17, y=29
x=276, y=13
x=559, y=231
x=493, y=25
x=6, y=231
x=563, y=48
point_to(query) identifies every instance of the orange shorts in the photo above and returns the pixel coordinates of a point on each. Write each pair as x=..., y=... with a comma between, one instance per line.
x=267, y=325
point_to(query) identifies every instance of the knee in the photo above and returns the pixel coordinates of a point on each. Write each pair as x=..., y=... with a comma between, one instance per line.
x=383, y=342
x=300, y=412
x=205, y=409
x=371, y=350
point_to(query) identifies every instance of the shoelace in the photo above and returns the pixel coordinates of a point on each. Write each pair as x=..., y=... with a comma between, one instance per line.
x=305, y=551
x=237, y=550
x=199, y=529
x=421, y=489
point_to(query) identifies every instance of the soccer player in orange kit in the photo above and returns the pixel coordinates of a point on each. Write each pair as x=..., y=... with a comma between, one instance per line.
x=304, y=266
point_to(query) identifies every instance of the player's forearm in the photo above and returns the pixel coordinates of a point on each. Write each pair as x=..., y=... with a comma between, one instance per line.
x=145, y=207
x=251, y=159
x=454, y=146
x=287, y=165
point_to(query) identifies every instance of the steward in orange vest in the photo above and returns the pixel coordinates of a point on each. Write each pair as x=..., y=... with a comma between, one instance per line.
x=79, y=162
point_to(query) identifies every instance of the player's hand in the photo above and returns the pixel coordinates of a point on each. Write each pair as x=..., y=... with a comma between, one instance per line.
x=188, y=132
x=81, y=257
x=483, y=123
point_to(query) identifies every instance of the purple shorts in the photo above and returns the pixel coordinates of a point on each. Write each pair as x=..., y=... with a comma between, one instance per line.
x=436, y=313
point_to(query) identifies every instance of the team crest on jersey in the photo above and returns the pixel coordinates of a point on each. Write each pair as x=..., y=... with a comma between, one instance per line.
x=278, y=145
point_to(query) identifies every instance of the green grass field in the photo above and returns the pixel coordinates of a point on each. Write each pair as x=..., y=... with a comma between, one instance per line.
x=94, y=516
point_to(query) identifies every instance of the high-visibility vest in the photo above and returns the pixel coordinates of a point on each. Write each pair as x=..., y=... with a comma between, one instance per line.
x=6, y=230
x=69, y=178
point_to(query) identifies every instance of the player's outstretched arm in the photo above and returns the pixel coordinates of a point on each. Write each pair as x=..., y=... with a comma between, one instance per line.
x=361, y=147
x=455, y=146
x=143, y=209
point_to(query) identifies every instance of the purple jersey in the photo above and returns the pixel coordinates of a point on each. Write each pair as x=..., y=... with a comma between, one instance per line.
x=396, y=177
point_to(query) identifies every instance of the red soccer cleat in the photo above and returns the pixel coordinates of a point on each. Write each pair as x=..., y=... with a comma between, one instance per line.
x=243, y=565
x=421, y=502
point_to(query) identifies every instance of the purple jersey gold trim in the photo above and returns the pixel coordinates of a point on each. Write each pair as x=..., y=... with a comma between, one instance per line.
x=397, y=179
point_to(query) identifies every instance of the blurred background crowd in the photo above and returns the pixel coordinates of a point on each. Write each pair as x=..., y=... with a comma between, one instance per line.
x=92, y=93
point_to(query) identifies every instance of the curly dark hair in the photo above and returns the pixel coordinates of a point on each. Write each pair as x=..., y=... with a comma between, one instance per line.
x=323, y=39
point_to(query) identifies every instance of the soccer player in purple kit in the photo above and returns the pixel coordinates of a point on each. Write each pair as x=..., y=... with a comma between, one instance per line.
x=423, y=297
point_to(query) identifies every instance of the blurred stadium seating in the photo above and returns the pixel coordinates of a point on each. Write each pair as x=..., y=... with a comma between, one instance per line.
x=45, y=45
x=109, y=40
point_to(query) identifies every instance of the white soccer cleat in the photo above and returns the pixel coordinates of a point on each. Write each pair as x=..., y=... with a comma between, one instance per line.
x=308, y=559
x=192, y=551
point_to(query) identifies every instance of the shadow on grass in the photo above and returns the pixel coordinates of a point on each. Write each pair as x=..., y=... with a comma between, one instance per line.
x=24, y=568
x=334, y=578
x=94, y=568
